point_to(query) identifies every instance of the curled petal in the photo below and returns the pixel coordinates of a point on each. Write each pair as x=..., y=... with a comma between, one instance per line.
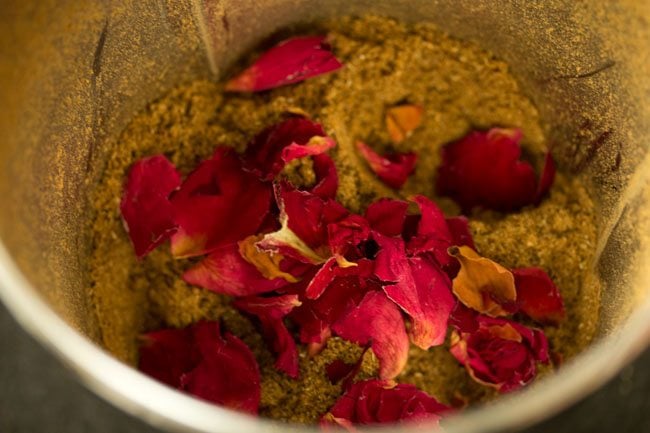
x=483, y=169
x=392, y=169
x=433, y=234
x=226, y=272
x=418, y=287
x=482, y=284
x=145, y=206
x=378, y=322
x=346, y=235
x=291, y=61
x=460, y=232
x=315, y=146
x=327, y=180
x=271, y=313
x=203, y=362
x=219, y=203
x=537, y=296
x=402, y=120
x=379, y=401
x=387, y=216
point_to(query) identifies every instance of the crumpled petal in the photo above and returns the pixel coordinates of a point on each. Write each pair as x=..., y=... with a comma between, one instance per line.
x=500, y=353
x=203, y=362
x=363, y=269
x=460, y=232
x=219, y=203
x=346, y=235
x=304, y=218
x=378, y=322
x=271, y=313
x=402, y=120
x=270, y=150
x=483, y=169
x=225, y=271
x=387, y=216
x=291, y=61
x=537, y=296
x=375, y=401
x=145, y=206
x=433, y=234
x=327, y=179
x=483, y=284
x=392, y=169
x=418, y=287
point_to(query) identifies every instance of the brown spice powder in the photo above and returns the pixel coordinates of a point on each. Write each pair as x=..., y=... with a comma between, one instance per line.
x=461, y=88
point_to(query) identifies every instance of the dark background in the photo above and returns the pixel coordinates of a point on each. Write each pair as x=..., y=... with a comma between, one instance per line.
x=38, y=395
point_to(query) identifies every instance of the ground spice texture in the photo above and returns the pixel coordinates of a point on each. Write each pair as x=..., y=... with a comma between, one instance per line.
x=461, y=88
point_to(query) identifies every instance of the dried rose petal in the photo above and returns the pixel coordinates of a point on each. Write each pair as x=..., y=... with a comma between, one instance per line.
x=291, y=61
x=433, y=234
x=500, y=353
x=537, y=295
x=269, y=151
x=145, y=205
x=379, y=401
x=268, y=265
x=387, y=216
x=200, y=360
x=418, y=287
x=460, y=232
x=225, y=271
x=271, y=312
x=392, y=169
x=482, y=284
x=327, y=179
x=483, y=169
x=402, y=120
x=219, y=203
x=378, y=322
x=346, y=235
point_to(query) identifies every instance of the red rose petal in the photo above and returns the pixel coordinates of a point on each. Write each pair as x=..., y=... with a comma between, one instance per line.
x=271, y=312
x=219, y=203
x=226, y=272
x=322, y=279
x=392, y=169
x=345, y=235
x=433, y=234
x=460, y=232
x=313, y=330
x=290, y=61
x=378, y=322
x=537, y=295
x=227, y=374
x=417, y=286
x=387, y=216
x=378, y=401
x=500, y=353
x=327, y=180
x=199, y=360
x=483, y=169
x=145, y=205
x=269, y=151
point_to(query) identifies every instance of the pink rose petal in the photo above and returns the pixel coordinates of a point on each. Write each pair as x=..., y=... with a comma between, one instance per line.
x=392, y=169
x=291, y=61
x=145, y=205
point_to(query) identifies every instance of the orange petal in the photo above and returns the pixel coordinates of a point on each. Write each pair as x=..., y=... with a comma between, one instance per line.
x=482, y=284
x=402, y=120
x=267, y=264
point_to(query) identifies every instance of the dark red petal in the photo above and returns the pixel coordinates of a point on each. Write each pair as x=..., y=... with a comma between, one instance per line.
x=433, y=234
x=290, y=61
x=460, y=232
x=219, y=203
x=167, y=354
x=345, y=235
x=483, y=169
x=537, y=295
x=378, y=322
x=322, y=279
x=463, y=319
x=546, y=178
x=271, y=149
x=417, y=286
x=407, y=403
x=313, y=330
x=393, y=169
x=145, y=205
x=226, y=272
x=271, y=313
x=327, y=180
x=387, y=216
x=227, y=373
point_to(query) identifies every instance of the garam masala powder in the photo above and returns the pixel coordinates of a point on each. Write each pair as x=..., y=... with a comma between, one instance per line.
x=460, y=87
